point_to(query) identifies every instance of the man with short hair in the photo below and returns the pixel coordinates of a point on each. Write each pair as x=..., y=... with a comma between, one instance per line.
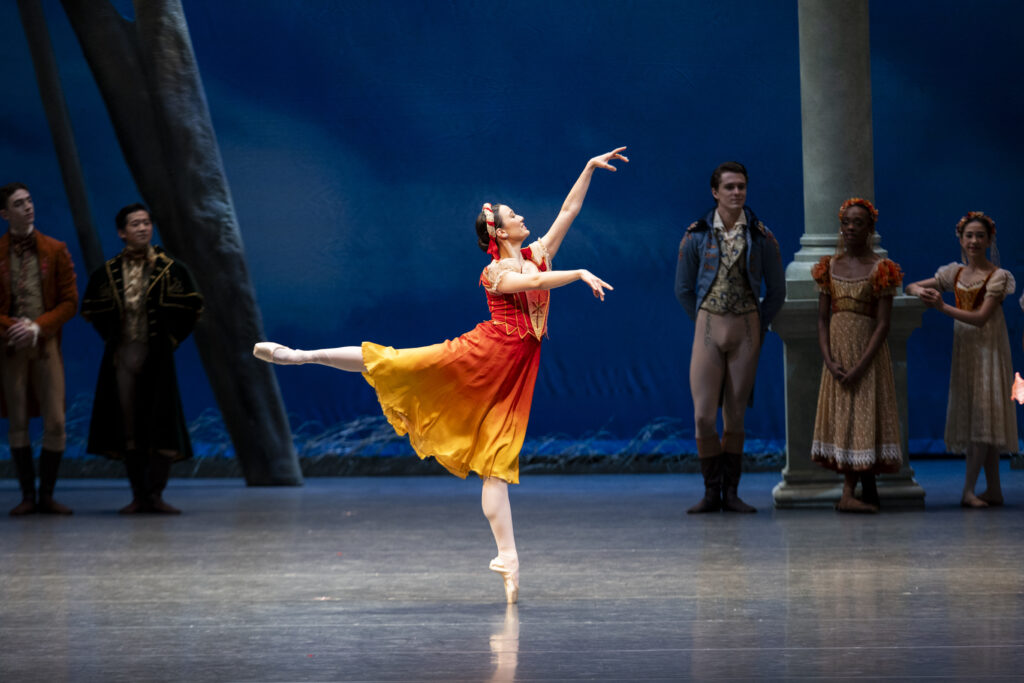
x=143, y=303
x=723, y=259
x=37, y=296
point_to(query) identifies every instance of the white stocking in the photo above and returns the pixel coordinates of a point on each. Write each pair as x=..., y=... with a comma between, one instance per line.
x=498, y=510
x=348, y=358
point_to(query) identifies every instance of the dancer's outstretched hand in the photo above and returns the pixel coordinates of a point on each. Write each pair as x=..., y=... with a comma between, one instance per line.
x=1018, y=388
x=603, y=160
x=596, y=284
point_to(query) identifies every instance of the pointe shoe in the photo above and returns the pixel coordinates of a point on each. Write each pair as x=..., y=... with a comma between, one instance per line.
x=510, y=576
x=265, y=351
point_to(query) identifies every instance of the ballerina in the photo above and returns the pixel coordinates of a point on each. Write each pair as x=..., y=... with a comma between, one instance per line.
x=465, y=402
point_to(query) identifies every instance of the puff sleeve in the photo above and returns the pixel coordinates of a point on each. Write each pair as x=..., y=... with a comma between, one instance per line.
x=887, y=278
x=1001, y=284
x=491, y=277
x=821, y=272
x=946, y=276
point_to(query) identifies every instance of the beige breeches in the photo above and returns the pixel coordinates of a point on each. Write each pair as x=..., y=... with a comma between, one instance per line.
x=723, y=365
x=42, y=368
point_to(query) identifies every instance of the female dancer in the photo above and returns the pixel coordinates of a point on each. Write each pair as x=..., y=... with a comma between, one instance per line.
x=855, y=429
x=466, y=402
x=980, y=420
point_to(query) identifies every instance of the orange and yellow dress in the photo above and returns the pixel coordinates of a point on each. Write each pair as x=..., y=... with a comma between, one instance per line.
x=466, y=401
x=856, y=428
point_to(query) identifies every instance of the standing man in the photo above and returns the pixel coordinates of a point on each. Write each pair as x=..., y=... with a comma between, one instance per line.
x=723, y=259
x=37, y=296
x=143, y=303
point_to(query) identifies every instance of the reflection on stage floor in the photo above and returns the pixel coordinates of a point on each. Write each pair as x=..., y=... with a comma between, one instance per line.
x=386, y=579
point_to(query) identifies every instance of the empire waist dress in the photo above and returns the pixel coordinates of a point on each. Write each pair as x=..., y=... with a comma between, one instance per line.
x=856, y=428
x=981, y=374
x=466, y=401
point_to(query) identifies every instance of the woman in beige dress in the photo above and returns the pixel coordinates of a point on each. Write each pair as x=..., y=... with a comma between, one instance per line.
x=980, y=418
x=856, y=431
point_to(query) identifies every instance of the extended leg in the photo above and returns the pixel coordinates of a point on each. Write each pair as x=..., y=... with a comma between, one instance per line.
x=976, y=455
x=498, y=510
x=348, y=358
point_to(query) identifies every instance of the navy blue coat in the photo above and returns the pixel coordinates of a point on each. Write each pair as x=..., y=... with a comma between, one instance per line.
x=699, y=257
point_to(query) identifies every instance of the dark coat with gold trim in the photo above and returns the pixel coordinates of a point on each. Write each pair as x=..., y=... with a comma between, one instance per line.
x=173, y=306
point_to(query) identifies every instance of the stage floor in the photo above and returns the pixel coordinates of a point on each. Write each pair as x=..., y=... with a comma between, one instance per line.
x=385, y=579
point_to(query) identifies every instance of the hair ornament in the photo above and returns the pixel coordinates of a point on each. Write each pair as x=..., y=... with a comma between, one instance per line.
x=861, y=202
x=976, y=216
x=492, y=245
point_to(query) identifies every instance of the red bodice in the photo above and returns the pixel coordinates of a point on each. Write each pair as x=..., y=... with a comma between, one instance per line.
x=521, y=313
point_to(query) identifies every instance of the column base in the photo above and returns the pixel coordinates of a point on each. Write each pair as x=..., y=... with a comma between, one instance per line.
x=894, y=490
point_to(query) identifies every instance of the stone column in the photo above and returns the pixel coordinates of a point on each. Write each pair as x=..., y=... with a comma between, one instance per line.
x=838, y=162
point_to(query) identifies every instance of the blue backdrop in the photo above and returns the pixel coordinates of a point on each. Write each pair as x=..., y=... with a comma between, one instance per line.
x=360, y=139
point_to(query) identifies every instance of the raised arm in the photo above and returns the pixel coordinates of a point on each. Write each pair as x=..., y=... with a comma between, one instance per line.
x=520, y=282
x=574, y=201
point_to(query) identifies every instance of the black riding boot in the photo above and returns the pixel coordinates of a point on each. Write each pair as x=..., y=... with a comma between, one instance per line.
x=732, y=468
x=711, y=468
x=22, y=459
x=49, y=466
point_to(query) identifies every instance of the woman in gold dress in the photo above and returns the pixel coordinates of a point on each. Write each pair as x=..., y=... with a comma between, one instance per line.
x=856, y=431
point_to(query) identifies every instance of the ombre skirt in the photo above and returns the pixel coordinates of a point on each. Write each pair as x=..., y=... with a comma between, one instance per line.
x=464, y=402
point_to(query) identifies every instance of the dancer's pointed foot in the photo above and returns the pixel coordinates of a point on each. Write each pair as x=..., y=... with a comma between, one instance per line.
x=994, y=499
x=272, y=353
x=972, y=501
x=509, y=570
